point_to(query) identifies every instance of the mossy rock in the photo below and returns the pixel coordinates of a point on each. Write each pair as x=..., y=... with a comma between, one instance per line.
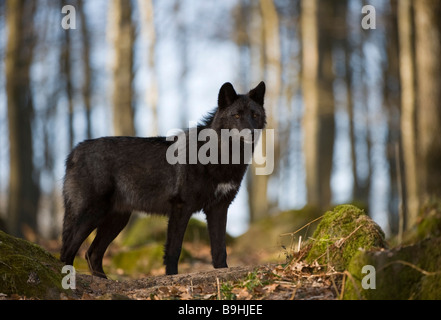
x=430, y=220
x=153, y=229
x=28, y=270
x=340, y=234
x=428, y=224
x=411, y=272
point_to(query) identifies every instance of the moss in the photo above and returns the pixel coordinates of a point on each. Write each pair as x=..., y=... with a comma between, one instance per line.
x=139, y=261
x=142, y=260
x=430, y=220
x=411, y=272
x=430, y=287
x=145, y=230
x=340, y=234
x=428, y=224
x=197, y=231
x=28, y=270
x=153, y=229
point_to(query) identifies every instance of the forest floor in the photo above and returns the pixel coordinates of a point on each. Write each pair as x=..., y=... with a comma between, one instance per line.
x=198, y=280
x=272, y=282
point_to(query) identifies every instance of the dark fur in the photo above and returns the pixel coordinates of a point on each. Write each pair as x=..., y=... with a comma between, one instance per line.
x=108, y=178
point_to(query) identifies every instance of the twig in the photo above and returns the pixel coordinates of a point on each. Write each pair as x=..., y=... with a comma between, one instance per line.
x=340, y=242
x=426, y=273
x=306, y=225
x=218, y=289
x=335, y=273
x=342, y=287
x=294, y=293
x=334, y=285
x=299, y=244
x=287, y=282
x=353, y=283
x=6, y=265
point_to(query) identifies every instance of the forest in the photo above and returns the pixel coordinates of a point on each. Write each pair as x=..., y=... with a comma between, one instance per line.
x=353, y=95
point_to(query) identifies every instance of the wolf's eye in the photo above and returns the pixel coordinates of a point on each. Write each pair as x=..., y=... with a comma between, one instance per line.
x=254, y=116
x=237, y=116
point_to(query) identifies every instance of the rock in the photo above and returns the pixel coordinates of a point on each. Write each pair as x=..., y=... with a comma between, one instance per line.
x=340, y=234
x=410, y=272
x=429, y=224
x=28, y=270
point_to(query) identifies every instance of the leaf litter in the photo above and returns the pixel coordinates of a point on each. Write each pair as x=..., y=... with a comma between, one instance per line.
x=295, y=280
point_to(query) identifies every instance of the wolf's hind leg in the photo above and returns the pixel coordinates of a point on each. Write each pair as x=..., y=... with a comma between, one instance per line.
x=107, y=231
x=78, y=232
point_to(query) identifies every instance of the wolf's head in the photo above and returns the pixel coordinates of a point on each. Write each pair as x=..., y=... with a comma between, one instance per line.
x=240, y=111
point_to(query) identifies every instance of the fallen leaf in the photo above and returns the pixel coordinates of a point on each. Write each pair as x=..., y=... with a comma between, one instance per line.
x=209, y=296
x=298, y=267
x=315, y=264
x=86, y=296
x=186, y=296
x=241, y=293
x=197, y=290
x=174, y=291
x=259, y=290
x=271, y=287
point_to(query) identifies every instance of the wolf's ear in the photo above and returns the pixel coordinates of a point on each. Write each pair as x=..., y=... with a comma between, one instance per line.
x=227, y=95
x=258, y=93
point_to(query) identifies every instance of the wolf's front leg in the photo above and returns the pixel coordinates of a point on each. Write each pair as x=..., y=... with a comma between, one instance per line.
x=217, y=225
x=177, y=224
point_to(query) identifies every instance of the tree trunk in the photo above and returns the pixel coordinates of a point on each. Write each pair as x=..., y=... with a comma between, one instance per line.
x=122, y=35
x=391, y=103
x=149, y=34
x=258, y=184
x=23, y=186
x=67, y=73
x=87, y=70
x=183, y=50
x=408, y=108
x=319, y=126
x=428, y=66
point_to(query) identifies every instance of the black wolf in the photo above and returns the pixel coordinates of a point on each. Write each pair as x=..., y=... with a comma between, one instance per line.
x=108, y=178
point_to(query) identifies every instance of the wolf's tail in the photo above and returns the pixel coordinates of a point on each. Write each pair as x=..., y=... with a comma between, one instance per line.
x=68, y=231
x=69, y=221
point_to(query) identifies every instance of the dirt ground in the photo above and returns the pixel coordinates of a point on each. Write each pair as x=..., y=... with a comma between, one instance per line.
x=274, y=282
